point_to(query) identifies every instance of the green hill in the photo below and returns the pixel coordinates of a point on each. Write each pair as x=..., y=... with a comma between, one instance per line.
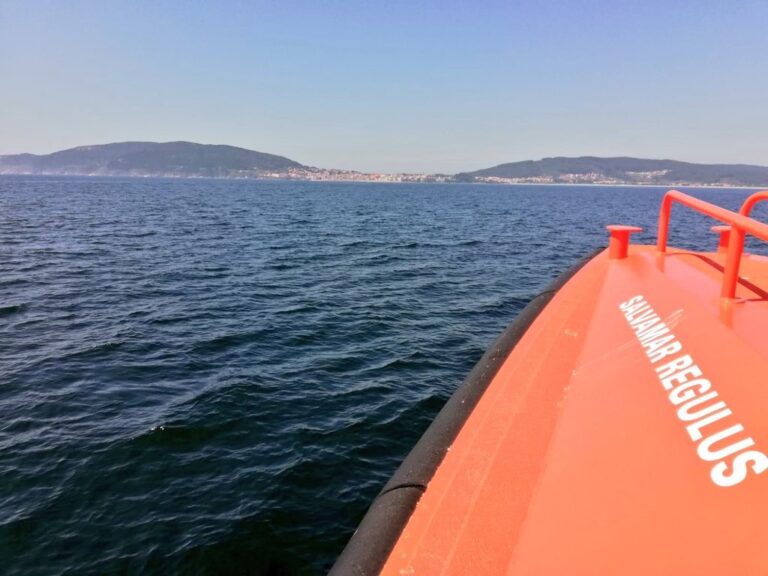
x=622, y=170
x=149, y=159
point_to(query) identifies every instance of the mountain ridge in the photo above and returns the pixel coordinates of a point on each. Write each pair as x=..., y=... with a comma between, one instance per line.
x=181, y=159
x=137, y=158
x=618, y=170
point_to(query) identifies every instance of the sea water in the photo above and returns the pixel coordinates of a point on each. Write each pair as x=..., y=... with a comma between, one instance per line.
x=211, y=377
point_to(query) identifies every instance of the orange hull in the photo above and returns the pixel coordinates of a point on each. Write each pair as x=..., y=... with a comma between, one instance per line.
x=625, y=432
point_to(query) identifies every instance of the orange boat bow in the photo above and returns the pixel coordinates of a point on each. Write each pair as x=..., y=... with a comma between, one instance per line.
x=625, y=433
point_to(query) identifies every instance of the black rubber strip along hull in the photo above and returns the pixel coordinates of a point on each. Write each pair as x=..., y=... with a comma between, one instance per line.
x=374, y=539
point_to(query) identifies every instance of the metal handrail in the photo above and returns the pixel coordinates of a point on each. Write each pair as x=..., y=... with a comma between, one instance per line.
x=739, y=223
x=750, y=202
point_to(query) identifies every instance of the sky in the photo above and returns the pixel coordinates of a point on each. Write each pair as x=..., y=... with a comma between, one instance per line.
x=391, y=85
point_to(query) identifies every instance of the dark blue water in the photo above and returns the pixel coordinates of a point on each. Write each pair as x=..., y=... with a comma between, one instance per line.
x=207, y=377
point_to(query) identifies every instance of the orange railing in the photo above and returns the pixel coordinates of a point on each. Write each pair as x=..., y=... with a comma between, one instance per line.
x=750, y=202
x=739, y=223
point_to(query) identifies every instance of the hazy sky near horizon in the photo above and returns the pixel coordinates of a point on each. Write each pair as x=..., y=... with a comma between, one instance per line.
x=435, y=86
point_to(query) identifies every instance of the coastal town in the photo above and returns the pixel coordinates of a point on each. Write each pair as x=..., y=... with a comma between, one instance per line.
x=648, y=177
x=333, y=175
x=638, y=178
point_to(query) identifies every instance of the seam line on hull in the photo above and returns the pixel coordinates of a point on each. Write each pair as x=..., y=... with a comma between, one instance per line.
x=421, y=487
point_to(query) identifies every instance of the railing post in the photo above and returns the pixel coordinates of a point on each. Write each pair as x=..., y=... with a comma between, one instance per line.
x=664, y=214
x=732, y=261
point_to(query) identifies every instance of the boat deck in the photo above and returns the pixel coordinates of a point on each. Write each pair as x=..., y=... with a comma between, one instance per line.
x=624, y=434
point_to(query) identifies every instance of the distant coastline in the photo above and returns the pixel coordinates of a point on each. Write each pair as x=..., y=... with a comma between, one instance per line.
x=192, y=160
x=394, y=182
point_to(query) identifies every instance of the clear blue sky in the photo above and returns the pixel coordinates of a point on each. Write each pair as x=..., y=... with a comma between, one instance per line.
x=392, y=85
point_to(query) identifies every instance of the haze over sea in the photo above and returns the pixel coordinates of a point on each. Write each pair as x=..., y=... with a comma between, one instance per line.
x=212, y=377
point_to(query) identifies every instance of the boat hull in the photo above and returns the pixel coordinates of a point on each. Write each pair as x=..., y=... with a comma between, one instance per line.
x=616, y=427
x=372, y=542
